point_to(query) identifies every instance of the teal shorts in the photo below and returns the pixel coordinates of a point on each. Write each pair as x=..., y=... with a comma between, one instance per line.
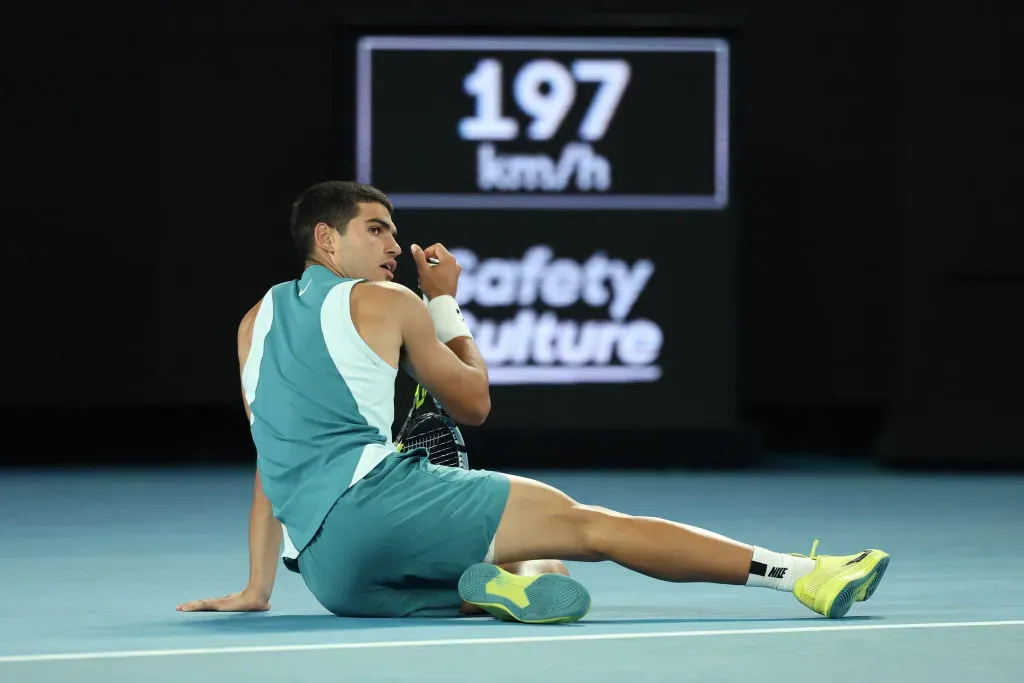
x=396, y=543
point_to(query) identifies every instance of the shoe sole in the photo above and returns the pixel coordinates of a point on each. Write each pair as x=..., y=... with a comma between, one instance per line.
x=878, y=573
x=856, y=585
x=543, y=599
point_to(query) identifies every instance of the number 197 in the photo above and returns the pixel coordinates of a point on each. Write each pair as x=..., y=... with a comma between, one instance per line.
x=545, y=90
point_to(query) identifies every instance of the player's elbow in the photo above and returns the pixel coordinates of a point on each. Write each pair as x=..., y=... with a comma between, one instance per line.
x=483, y=410
x=477, y=408
x=475, y=412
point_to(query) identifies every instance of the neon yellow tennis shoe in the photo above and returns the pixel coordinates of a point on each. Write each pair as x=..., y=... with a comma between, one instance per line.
x=541, y=599
x=840, y=580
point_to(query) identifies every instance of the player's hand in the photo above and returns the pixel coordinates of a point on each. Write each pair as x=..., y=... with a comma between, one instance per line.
x=243, y=601
x=441, y=278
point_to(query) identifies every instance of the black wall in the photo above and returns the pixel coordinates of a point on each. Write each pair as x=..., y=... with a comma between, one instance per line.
x=151, y=161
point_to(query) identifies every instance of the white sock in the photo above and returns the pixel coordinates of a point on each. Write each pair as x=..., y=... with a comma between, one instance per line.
x=776, y=570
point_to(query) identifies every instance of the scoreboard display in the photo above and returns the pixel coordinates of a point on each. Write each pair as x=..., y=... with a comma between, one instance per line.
x=584, y=183
x=545, y=123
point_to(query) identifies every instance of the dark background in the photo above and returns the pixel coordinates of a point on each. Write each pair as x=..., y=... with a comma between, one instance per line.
x=150, y=162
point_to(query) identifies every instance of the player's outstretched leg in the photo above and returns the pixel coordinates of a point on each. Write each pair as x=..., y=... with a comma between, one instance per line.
x=541, y=521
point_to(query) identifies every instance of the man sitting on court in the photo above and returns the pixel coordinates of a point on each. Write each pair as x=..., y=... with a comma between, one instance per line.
x=384, y=533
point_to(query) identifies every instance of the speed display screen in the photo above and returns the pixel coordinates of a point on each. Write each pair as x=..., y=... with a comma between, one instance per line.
x=584, y=184
x=544, y=123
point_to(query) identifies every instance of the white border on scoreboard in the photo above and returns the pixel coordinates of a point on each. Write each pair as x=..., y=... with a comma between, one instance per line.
x=364, y=154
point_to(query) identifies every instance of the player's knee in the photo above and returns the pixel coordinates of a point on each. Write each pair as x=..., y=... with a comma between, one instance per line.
x=597, y=530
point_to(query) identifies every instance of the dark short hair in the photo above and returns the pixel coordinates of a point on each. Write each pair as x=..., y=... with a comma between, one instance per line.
x=335, y=202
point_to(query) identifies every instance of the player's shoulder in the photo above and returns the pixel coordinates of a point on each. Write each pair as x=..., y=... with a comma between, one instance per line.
x=385, y=293
x=249, y=319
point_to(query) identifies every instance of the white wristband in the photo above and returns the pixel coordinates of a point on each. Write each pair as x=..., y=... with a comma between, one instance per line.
x=447, y=317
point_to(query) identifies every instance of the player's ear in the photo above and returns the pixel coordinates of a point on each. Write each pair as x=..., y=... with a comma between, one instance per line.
x=324, y=235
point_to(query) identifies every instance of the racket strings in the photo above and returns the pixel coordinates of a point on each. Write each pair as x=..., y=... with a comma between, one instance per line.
x=439, y=443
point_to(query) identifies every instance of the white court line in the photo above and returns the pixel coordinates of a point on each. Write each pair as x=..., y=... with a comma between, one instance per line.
x=490, y=641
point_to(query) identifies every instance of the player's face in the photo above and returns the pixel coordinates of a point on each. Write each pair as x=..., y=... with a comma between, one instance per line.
x=368, y=248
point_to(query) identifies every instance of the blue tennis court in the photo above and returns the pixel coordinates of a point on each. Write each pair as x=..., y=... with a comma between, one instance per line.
x=94, y=563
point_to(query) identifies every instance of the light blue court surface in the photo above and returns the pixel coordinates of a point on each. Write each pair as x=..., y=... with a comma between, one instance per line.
x=94, y=563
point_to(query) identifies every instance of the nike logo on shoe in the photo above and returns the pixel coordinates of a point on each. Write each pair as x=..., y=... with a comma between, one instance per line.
x=858, y=558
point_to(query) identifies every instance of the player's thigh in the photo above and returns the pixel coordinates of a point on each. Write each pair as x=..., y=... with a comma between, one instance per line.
x=541, y=521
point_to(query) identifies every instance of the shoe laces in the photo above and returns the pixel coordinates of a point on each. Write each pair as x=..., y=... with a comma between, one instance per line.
x=813, y=555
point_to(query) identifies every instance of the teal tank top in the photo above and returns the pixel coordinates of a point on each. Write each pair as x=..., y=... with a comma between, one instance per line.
x=322, y=401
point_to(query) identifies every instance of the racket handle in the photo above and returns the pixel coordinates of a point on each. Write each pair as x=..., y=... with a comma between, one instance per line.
x=430, y=262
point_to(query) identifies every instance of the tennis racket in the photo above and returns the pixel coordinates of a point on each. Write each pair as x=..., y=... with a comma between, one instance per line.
x=428, y=426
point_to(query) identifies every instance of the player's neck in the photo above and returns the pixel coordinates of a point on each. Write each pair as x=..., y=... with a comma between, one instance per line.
x=329, y=266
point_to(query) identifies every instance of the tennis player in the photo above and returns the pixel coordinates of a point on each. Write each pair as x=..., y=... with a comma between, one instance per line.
x=381, y=533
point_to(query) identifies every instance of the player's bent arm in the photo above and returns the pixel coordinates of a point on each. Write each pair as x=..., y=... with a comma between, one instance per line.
x=264, y=543
x=455, y=374
x=264, y=529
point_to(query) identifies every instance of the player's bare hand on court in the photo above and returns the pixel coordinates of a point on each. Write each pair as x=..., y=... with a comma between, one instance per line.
x=439, y=279
x=243, y=601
